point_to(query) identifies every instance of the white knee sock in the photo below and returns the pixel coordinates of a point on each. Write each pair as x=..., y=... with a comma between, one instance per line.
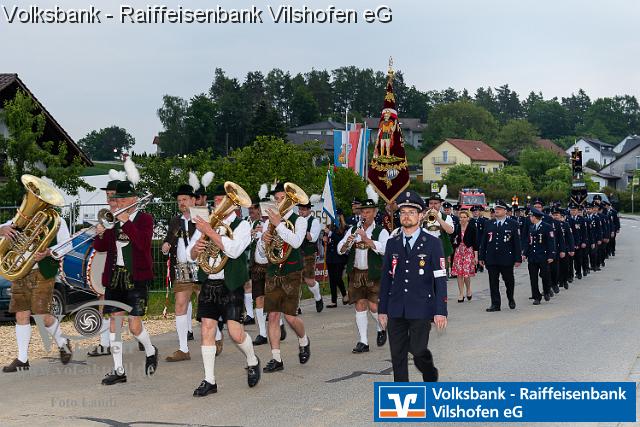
x=281, y=319
x=23, y=337
x=116, y=351
x=375, y=317
x=303, y=341
x=145, y=340
x=182, y=323
x=361, y=322
x=55, y=331
x=246, y=347
x=315, y=290
x=248, y=304
x=104, y=332
x=190, y=317
x=218, y=335
x=209, y=362
x=262, y=322
x=275, y=352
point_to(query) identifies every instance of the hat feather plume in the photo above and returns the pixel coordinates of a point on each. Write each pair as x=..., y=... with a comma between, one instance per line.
x=133, y=174
x=372, y=193
x=207, y=178
x=315, y=198
x=194, y=182
x=263, y=191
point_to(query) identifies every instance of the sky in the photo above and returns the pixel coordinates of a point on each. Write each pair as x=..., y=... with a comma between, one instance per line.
x=92, y=76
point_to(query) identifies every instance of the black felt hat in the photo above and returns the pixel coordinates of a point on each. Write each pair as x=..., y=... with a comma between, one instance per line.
x=279, y=188
x=111, y=185
x=369, y=203
x=125, y=189
x=184, y=190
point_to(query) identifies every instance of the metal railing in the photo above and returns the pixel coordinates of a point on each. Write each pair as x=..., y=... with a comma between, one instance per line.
x=449, y=160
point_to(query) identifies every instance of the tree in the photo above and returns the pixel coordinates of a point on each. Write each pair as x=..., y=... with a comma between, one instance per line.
x=509, y=107
x=461, y=176
x=319, y=84
x=107, y=144
x=279, y=92
x=266, y=122
x=173, y=139
x=514, y=136
x=201, y=126
x=304, y=107
x=536, y=162
x=550, y=118
x=232, y=115
x=460, y=119
x=27, y=153
x=576, y=106
x=509, y=181
x=531, y=99
x=486, y=99
x=593, y=165
x=618, y=115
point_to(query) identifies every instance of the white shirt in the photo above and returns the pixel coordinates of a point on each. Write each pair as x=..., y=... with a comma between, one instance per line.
x=181, y=249
x=120, y=245
x=233, y=248
x=360, y=261
x=293, y=238
x=315, y=229
x=258, y=257
x=436, y=233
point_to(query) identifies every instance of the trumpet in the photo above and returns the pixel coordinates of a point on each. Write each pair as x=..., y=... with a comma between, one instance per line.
x=431, y=221
x=106, y=218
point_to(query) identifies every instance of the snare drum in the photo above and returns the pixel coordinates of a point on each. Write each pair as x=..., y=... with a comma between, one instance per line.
x=82, y=266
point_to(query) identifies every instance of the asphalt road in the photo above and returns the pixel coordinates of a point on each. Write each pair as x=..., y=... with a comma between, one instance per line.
x=587, y=333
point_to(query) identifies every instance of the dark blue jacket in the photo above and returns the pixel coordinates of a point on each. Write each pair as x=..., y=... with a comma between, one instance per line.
x=501, y=246
x=606, y=225
x=561, y=245
x=615, y=220
x=413, y=286
x=570, y=243
x=333, y=257
x=594, y=229
x=541, y=244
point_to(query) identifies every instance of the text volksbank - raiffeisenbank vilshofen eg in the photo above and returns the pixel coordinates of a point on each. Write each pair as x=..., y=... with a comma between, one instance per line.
x=526, y=393
x=160, y=14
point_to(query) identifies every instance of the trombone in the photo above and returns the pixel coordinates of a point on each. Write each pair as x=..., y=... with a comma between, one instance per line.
x=106, y=218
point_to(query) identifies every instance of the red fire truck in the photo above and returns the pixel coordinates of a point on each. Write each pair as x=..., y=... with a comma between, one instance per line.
x=469, y=197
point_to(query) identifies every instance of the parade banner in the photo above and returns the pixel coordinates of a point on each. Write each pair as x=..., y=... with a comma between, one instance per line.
x=509, y=402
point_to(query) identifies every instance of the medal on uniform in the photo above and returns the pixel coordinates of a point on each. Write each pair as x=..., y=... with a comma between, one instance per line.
x=422, y=262
x=394, y=264
x=490, y=236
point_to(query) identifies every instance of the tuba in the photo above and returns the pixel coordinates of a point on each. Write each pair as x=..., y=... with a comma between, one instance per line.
x=278, y=250
x=37, y=224
x=236, y=196
x=431, y=220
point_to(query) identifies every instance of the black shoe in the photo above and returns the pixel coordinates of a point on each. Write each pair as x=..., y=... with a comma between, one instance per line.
x=248, y=320
x=16, y=366
x=299, y=311
x=140, y=346
x=461, y=300
x=551, y=293
x=493, y=308
x=319, y=306
x=334, y=305
x=283, y=333
x=114, y=377
x=565, y=285
x=260, y=340
x=305, y=352
x=531, y=298
x=360, y=348
x=469, y=297
x=99, y=350
x=66, y=353
x=273, y=366
x=151, y=364
x=253, y=374
x=382, y=338
x=570, y=280
x=205, y=389
x=536, y=302
x=512, y=304
x=556, y=289
x=547, y=297
x=579, y=276
x=190, y=336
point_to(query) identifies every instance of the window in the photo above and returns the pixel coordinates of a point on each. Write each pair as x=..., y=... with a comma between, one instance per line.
x=637, y=162
x=483, y=169
x=586, y=149
x=445, y=156
x=437, y=170
x=495, y=169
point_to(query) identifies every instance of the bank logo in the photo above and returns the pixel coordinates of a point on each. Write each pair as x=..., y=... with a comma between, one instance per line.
x=400, y=402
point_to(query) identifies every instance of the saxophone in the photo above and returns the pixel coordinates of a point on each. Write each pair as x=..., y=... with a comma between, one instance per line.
x=278, y=250
x=236, y=196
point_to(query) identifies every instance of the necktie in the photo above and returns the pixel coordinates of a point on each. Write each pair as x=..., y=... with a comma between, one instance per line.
x=407, y=246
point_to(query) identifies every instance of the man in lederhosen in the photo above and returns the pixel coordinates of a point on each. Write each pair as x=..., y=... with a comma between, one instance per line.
x=282, y=287
x=222, y=296
x=128, y=273
x=33, y=294
x=310, y=252
x=182, y=271
x=257, y=271
x=365, y=247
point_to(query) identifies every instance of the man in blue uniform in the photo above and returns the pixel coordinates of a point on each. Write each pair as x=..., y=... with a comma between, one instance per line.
x=579, y=232
x=606, y=234
x=615, y=227
x=413, y=291
x=540, y=253
x=595, y=236
x=560, y=252
x=567, y=237
x=500, y=251
x=479, y=221
x=355, y=212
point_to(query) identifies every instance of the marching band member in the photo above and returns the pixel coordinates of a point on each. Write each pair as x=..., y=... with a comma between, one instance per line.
x=222, y=295
x=282, y=287
x=258, y=270
x=309, y=250
x=183, y=271
x=32, y=294
x=128, y=273
x=365, y=247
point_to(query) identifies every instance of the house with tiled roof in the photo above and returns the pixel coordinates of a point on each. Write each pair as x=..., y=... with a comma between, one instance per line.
x=411, y=130
x=53, y=131
x=452, y=152
x=547, y=144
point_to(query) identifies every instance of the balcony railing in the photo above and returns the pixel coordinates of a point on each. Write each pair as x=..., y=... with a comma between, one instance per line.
x=450, y=160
